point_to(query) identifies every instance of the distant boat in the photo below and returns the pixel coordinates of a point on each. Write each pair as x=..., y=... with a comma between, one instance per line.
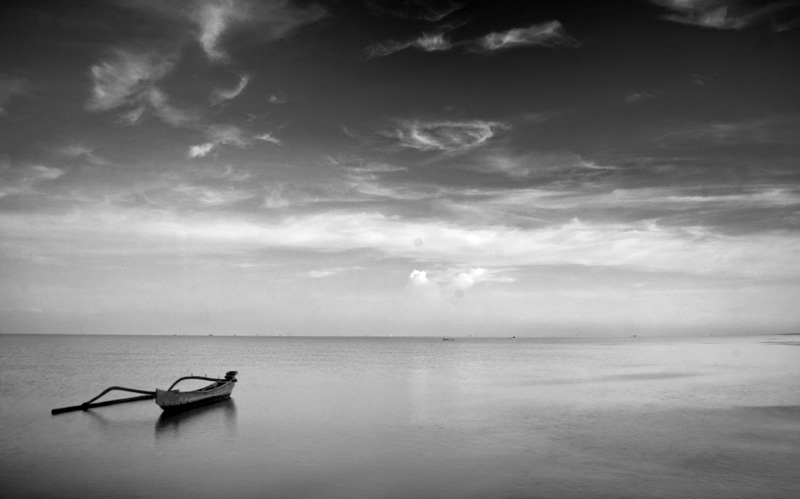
x=447, y=339
x=175, y=400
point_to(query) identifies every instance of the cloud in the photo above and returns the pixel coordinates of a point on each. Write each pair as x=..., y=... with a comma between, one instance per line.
x=274, y=198
x=9, y=88
x=80, y=151
x=128, y=80
x=226, y=134
x=446, y=136
x=427, y=42
x=218, y=134
x=699, y=80
x=211, y=197
x=781, y=130
x=319, y=273
x=168, y=113
x=638, y=97
x=727, y=14
x=266, y=137
x=556, y=165
x=425, y=10
x=727, y=208
x=641, y=245
x=125, y=79
x=468, y=279
x=200, y=151
x=21, y=180
x=278, y=98
x=432, y=43
x=316, y=274
x=220, y=95
x=418, y=277
x=221, y=134
x=549, y=34
x=213, y=19
x=273, y=19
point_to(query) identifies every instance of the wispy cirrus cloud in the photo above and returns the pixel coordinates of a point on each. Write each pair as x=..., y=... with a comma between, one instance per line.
x=212, y=197
x=219, y=134
x=82, y=152
x=125, y=78
x=267, y=137
x=772, y=130
x=327, y=272
x=550, y=34
x=166, y=112
x=222, y=95
x=729, y=14
x=10, y=88
x=21, y=180
x=444, y=136
x=213, y=19
x=555, y=165
x=425, y=10
x=273, y=19
x=427, y=42
x=223, y=134
x=128, y=81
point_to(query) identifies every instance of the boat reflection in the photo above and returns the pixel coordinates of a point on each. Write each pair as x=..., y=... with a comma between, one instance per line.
x=219, y=415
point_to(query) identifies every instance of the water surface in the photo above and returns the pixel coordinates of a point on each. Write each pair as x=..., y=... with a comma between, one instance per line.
x=406, y=417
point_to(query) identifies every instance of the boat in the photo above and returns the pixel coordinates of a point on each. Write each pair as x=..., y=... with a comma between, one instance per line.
x=172, y=400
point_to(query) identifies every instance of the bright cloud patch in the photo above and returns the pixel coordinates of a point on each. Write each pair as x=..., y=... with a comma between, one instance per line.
x=548, y=34
x=418, y=277
x=447, y=136
x=200, y=151
x=467, y=279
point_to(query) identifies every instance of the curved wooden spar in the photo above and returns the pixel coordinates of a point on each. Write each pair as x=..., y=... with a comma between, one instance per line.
x=203, y=378
x=146, y=395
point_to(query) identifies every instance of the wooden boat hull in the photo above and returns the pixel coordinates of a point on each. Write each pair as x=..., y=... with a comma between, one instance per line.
x=176, y=400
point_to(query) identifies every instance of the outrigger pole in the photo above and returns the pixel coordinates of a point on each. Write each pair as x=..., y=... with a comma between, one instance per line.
x=147, y=395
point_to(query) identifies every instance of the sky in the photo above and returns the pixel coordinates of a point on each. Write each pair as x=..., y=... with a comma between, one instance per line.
x=367, y=167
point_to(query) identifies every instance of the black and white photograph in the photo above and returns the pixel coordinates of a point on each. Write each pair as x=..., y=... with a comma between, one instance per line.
x=467, y=249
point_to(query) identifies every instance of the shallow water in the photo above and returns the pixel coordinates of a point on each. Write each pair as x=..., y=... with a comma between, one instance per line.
x=406, y=417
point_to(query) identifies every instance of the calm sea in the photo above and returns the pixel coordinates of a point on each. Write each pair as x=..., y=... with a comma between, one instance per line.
x=406, y=417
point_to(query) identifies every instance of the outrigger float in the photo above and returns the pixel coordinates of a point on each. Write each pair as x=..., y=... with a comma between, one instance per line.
x=170, y=400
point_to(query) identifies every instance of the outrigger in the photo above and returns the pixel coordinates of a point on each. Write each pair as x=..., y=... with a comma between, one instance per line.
x=170, y=400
